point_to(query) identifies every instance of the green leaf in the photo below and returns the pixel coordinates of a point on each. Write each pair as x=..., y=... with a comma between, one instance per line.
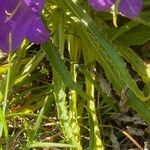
x=138, y=36
x=57, y=62
x=105, y=50
x=141, y=108
x=137, y=63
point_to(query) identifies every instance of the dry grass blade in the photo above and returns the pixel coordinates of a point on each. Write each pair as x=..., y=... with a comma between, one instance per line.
x=132, y=139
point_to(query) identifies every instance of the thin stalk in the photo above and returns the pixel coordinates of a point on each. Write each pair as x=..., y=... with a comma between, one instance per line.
x=7, y=89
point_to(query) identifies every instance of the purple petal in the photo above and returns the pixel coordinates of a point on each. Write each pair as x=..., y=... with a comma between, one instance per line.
x=18, y=33
x=130, y=8
x=35, y=5
x=22, y=19
x=2, y=14
x=37, y=32
x=20, y=24
x=11, y=5
x=5, y=8
x=17, y=37
x=4, y=37
x=101, y=5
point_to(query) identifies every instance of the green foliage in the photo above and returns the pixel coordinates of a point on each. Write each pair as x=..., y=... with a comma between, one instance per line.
x=87, y=64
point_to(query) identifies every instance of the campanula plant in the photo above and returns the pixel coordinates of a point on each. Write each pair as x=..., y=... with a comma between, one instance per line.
x=74, y=89
x=21, y=18
x=129, y=8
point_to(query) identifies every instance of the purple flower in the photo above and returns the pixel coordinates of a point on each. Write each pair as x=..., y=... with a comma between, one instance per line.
x=21, y=18
x=101, y=5
x=129, y=8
